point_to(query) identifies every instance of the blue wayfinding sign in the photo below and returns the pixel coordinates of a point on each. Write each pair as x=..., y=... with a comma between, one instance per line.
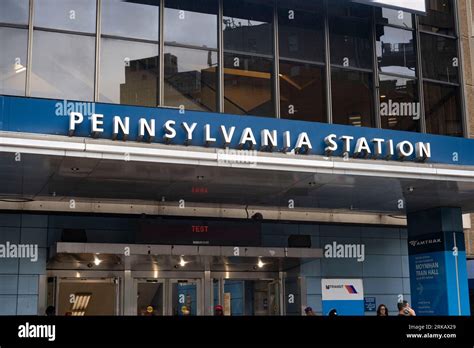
x=438, y=268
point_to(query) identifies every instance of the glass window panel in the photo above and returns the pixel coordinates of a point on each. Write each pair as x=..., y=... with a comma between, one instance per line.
x=133, y=19
x=248, y=26
x=394, y=17
x=191, y=22
x=66, y=15
x=396, y=51
x=343, y=8
x=442, y=110
x=129, y=73
x=248, y=85
x=440, y=17
x=63, y=66
x=399, y=103
x=14, y=11
x=301, y=32
x=439, y=58
x=13, y=61
x=351, y=44
x=352, y=98
x=190, y=78
x=303, y=92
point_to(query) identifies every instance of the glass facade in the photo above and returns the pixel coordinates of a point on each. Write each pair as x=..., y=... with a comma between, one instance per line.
x=331, y=62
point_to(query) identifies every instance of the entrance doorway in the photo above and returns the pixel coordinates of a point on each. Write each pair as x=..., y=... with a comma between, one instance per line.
x=248, y=297
x=185, y=297
x=150, y=297
x=87, y=297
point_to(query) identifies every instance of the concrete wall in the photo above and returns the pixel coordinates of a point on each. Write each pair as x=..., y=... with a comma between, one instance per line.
x=466, y=25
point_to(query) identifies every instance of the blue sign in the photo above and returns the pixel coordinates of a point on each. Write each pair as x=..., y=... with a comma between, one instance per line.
x=438, y=274
x=190, y=128
x=370, y=304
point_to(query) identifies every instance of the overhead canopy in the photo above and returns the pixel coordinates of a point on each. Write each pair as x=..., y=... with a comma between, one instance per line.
x=57, y=168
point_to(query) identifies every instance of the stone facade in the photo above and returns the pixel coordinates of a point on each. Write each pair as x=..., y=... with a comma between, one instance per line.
x=466, y=24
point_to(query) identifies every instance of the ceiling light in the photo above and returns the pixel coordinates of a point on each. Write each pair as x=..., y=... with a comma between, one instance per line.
x=97, y=261
x=260, y=263
x=182, y=263
x=80, y=304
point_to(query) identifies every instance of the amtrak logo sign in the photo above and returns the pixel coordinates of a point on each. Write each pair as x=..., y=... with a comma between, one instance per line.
x=148, y=130
x=415, y=243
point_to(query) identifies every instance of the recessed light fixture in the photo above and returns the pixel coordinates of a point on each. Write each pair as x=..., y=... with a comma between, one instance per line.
x=183, y=263
x=97, y=261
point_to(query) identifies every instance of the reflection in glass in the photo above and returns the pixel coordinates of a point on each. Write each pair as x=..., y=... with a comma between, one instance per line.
x=351, y=45
x=66, y=15
x=301, y=33
x=442, y=110
x=14, y=11
x=440, y=17
x=439, y=57
x=129, y=73
x=394, y=17
x=137, y=19
x=352, y=98
x=184, y=299
x=344, y=8
x=190, y=79
x=396, y=51
x=303, y=92
x=150, y=299
x=63, y=66
x=191, y=22
x=248, y=85
x=13, y=61
x=399, y=104
x=248, y=26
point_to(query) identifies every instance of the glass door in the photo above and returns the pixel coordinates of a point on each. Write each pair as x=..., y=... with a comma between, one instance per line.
x=185, y=297
x=150, y=297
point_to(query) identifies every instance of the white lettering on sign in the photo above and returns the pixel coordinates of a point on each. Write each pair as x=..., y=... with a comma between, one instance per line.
x=342, y=145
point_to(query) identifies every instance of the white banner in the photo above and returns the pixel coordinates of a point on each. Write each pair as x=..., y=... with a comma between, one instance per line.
x=342, y=289
x=407, y=5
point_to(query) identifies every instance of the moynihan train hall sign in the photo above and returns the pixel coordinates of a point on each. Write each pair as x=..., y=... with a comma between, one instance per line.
x=270, y=139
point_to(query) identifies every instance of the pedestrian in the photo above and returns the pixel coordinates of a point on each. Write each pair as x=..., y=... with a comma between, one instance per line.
x=404, y=310
x=382, y=311
x=218, y=311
